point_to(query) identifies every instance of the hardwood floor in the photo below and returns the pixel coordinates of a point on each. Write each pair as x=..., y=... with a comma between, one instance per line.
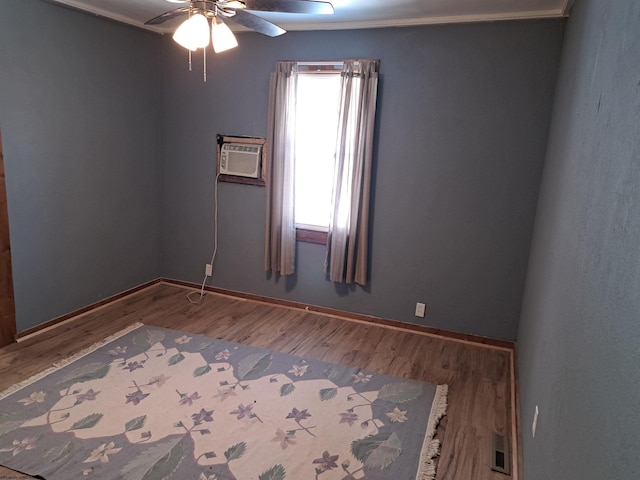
x=479, y=377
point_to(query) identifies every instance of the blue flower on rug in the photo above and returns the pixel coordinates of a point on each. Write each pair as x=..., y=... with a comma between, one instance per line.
x=327, y=462
x=133, y=366
x=202, y=416
x=188, y=399
x=242, y=411
x=89, y=395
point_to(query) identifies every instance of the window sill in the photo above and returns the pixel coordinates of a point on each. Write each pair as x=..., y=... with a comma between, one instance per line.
x=311, y=236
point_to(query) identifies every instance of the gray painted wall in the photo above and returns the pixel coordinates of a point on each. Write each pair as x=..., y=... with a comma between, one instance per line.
x=463, y=116
x=110, y=156
x=579, y=337
x=79, y=115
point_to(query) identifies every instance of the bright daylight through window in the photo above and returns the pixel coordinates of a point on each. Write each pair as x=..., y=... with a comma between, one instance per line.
x=316, y=126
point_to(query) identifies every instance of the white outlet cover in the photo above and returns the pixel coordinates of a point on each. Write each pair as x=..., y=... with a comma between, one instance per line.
x=420, y=309
x=534, y=426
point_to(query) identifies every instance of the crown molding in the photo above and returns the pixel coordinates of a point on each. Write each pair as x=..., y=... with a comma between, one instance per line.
x=414, y=22
x=566, y=8
x=80, y=6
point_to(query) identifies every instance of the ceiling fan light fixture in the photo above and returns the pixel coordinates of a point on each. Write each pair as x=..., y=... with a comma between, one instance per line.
x=222, y=37
x=193, y=33
x=234, y=4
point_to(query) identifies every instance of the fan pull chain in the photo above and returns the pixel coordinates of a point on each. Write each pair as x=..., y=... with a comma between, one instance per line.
x=204, y=54
x=189, y=50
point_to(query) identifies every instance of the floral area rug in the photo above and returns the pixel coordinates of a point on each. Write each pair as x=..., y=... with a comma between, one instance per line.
x=154, y=403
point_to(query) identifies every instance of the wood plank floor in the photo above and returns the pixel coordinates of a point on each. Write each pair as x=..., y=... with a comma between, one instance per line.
x=479, y=377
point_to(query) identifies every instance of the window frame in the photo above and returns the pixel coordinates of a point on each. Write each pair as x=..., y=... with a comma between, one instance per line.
x=311, y=234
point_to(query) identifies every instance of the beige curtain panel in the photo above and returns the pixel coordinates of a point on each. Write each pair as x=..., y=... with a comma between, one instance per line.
x=348, y=240
x=280, y=238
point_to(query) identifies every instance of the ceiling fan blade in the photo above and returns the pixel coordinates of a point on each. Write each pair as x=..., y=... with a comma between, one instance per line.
x=290, y=6
x=255, y=23
x=166, y=16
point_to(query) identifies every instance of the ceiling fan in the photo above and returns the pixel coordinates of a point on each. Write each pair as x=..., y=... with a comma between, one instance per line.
x=194, y=32
x=237, y=12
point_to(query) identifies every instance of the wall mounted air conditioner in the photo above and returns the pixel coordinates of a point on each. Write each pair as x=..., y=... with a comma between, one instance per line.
x=241, y=159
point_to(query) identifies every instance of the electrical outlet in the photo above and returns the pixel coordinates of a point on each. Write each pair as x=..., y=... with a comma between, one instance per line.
x=208, y=269
x=535, y=422
x=420, y=308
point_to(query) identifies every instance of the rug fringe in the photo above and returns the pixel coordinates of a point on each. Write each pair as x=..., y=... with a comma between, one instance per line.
x=431, y=445
x=62, y=363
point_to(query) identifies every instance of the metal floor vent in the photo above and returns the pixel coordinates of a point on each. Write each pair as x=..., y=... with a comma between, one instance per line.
x=500, y=453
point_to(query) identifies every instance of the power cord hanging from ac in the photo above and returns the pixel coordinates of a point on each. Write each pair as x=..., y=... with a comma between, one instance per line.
x=215, y=247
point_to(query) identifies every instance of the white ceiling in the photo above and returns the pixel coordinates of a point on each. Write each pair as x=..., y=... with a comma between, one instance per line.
x=348, y=14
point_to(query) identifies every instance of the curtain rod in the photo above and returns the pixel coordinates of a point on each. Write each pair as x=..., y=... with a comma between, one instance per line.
x=328, y=62
x=327, y=66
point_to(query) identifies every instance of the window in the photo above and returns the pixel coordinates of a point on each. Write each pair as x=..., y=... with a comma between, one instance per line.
x=348, y=225
x=317, y=113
